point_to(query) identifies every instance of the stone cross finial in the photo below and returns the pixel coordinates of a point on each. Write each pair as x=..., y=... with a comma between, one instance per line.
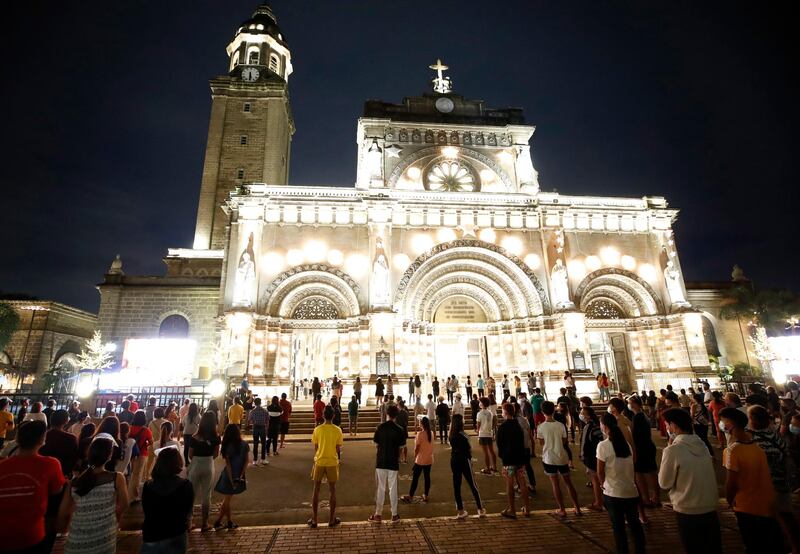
x=441, y=84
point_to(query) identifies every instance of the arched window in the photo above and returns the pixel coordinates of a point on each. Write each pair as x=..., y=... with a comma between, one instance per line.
x=451, y=175
x=235, y=59
x=315, y=308
x=274, y=64
x=603, y=309
x=174, y=326
x=253, y=54
x=710, y=337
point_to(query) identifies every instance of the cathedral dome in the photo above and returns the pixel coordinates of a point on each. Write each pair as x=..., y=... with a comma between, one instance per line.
x=262, y=22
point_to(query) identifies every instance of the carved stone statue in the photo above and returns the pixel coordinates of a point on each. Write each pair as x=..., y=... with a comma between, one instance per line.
x=672, y=279
x=737, y=275
x=245, y=276
x=116, y=266
x=380, y=276
x=558, y=277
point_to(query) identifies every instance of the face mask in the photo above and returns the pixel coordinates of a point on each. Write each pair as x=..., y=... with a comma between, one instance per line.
x=794, y=429
x=583, y=418
x=609, y=410
x=723, y=428
x=670, y=434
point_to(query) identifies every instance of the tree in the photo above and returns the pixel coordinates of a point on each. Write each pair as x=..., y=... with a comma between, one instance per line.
x=97, y=354
x=9, y=322
x=770, y=309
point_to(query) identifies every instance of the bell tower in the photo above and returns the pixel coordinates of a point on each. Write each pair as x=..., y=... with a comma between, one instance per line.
x=251, y=126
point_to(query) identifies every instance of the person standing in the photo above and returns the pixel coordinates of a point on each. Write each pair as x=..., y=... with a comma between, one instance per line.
x=155, y=424
x=430, y=409
x=316, y=388
x=491, y=387
x=410, y=389
x=48, y=411
x=442, y=419
x=232, y=481
x=418, y=388
x=274, y=424
x=591, y=435
x=485, y=426
x=461, y=467
x=448, y=386
x=511, y=449
x=458, y=405
x=389, y=438
x=748, y=485
x=379, y=391
x=203, y=449
x=258, y=419
x=475, y=407
x=423, y=460
x=552, y=436
x=700, y=420
x=319, y=410
x=435, y=386
x=60, y=444
x=687, y=474
x=235, y=412
x=286, y=412
x=481, y=385
x=357, y=390
x=150, y=409
x=167, y=502
x=95, y=502
x=527, y=435
x=645, y=466
x=36, y=414
x=328, y=441
x=402, y=422
x=536, y=407
x=468, y=387
x=144, y=438
x=80, y=423
x=352, y=416
x=620, y=495
x=31, y=479
x=189, y=424
x=517, y=386
x=126, y=415
x=506, y=386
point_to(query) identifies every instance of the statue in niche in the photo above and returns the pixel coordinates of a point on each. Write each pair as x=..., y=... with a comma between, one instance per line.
x=478, y=138
x=441, y=137
x=672, y=277
x=492, y=140
x=467, y=137
x=403, y=135
x=428, y=136
x=245, y=276
x=454, y=137
x=558, y=276
x=416, y=136
x=380, y=275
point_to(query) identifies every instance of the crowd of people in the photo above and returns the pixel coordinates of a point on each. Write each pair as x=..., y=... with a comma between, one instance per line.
x=78, y=474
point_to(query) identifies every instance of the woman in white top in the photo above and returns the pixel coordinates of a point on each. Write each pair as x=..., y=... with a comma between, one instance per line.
x=121, y=465
x=458, y=406
x=620, y=495
x=36, y=413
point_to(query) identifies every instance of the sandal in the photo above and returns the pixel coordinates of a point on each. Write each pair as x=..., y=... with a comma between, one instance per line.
x=336, y=521
x=232, y=525
x=577, y=512
x=526, y=512
x=509, y=514
x=560, y=514
x=218, y=524
x=486, y=471
x=375, y=518
x=406, y=498
x=311, y=523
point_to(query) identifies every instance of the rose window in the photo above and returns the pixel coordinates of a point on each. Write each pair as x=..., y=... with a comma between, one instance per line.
x=315, y=308
x=451, y=176
x=603, y=309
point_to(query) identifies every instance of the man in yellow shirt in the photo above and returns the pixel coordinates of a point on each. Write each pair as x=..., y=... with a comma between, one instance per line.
x=6, y=420
x=235, y=412
x=327, y=440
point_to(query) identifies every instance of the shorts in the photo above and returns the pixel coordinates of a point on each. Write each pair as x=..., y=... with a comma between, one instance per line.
x=284, y=427
x=329, y=473
x=591, y=472
x=551, y=470
x=513, y=470
x=485, y=441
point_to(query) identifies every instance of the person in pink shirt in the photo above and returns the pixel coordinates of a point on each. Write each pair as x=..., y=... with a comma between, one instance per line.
x=423, y=460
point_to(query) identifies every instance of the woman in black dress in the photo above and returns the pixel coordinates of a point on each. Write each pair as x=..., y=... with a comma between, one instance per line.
x=461, y=466
x=644, y=465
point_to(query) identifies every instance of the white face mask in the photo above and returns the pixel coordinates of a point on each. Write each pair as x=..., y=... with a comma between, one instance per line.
x=609, y=410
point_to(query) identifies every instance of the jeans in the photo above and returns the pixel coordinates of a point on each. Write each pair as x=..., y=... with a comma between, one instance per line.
x=187, y=440
x=172, y=545
x=619, y=510
x=450, y=396
x=700, y=533
x=201, y=475
x=357, y=394
x=259, y=437
x=381, y=478
x=759, y=533
x=463, y=469
x=416, y=470
x=272, y=438
x=442, y=430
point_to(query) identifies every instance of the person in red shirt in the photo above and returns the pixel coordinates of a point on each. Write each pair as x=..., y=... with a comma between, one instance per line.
x=27, y=480
x=319, y=409
x=286, y=411
x=134, y=403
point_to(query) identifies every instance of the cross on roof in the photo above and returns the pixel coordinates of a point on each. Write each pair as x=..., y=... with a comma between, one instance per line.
x=441, y=83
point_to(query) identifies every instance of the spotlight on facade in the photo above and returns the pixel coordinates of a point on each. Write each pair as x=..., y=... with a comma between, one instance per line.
x=335, y=257
x=272, y=262
x=487, y=235
x=487, y=176
x=216, y=388
x=84, y=388
x=610, y=256
x=450, y=152
x=356, y=265
x=446, y=234
x=413, y=173
x=505, y=156
x=593, y=263
x=576, y=269
x=315, y=251
x=628, y=262
x=295, y=257
x=239, y=322
x=421, y=243
x=512, y=245
x=533, y=261
x=401, y=261
x=647, y=272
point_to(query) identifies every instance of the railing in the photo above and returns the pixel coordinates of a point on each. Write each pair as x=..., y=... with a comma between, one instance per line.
x=96, y=404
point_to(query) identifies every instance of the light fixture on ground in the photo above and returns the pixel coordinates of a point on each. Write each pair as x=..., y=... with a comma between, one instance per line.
x=85, y=387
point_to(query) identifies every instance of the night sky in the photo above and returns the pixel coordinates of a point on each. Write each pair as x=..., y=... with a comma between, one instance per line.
x=106, y=109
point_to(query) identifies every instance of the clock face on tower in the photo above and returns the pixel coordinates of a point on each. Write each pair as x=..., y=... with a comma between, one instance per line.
x=249, y=74
x=444, y=105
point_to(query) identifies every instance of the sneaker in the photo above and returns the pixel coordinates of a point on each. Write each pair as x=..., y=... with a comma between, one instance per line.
x=482, y=512
x=265, y=462
x=462, y=514
x=395, y=518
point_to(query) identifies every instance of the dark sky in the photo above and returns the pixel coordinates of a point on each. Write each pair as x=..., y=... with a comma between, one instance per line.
x=106, y=109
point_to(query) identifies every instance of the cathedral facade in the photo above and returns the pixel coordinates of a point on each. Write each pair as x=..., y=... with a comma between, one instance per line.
x=444, y=258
